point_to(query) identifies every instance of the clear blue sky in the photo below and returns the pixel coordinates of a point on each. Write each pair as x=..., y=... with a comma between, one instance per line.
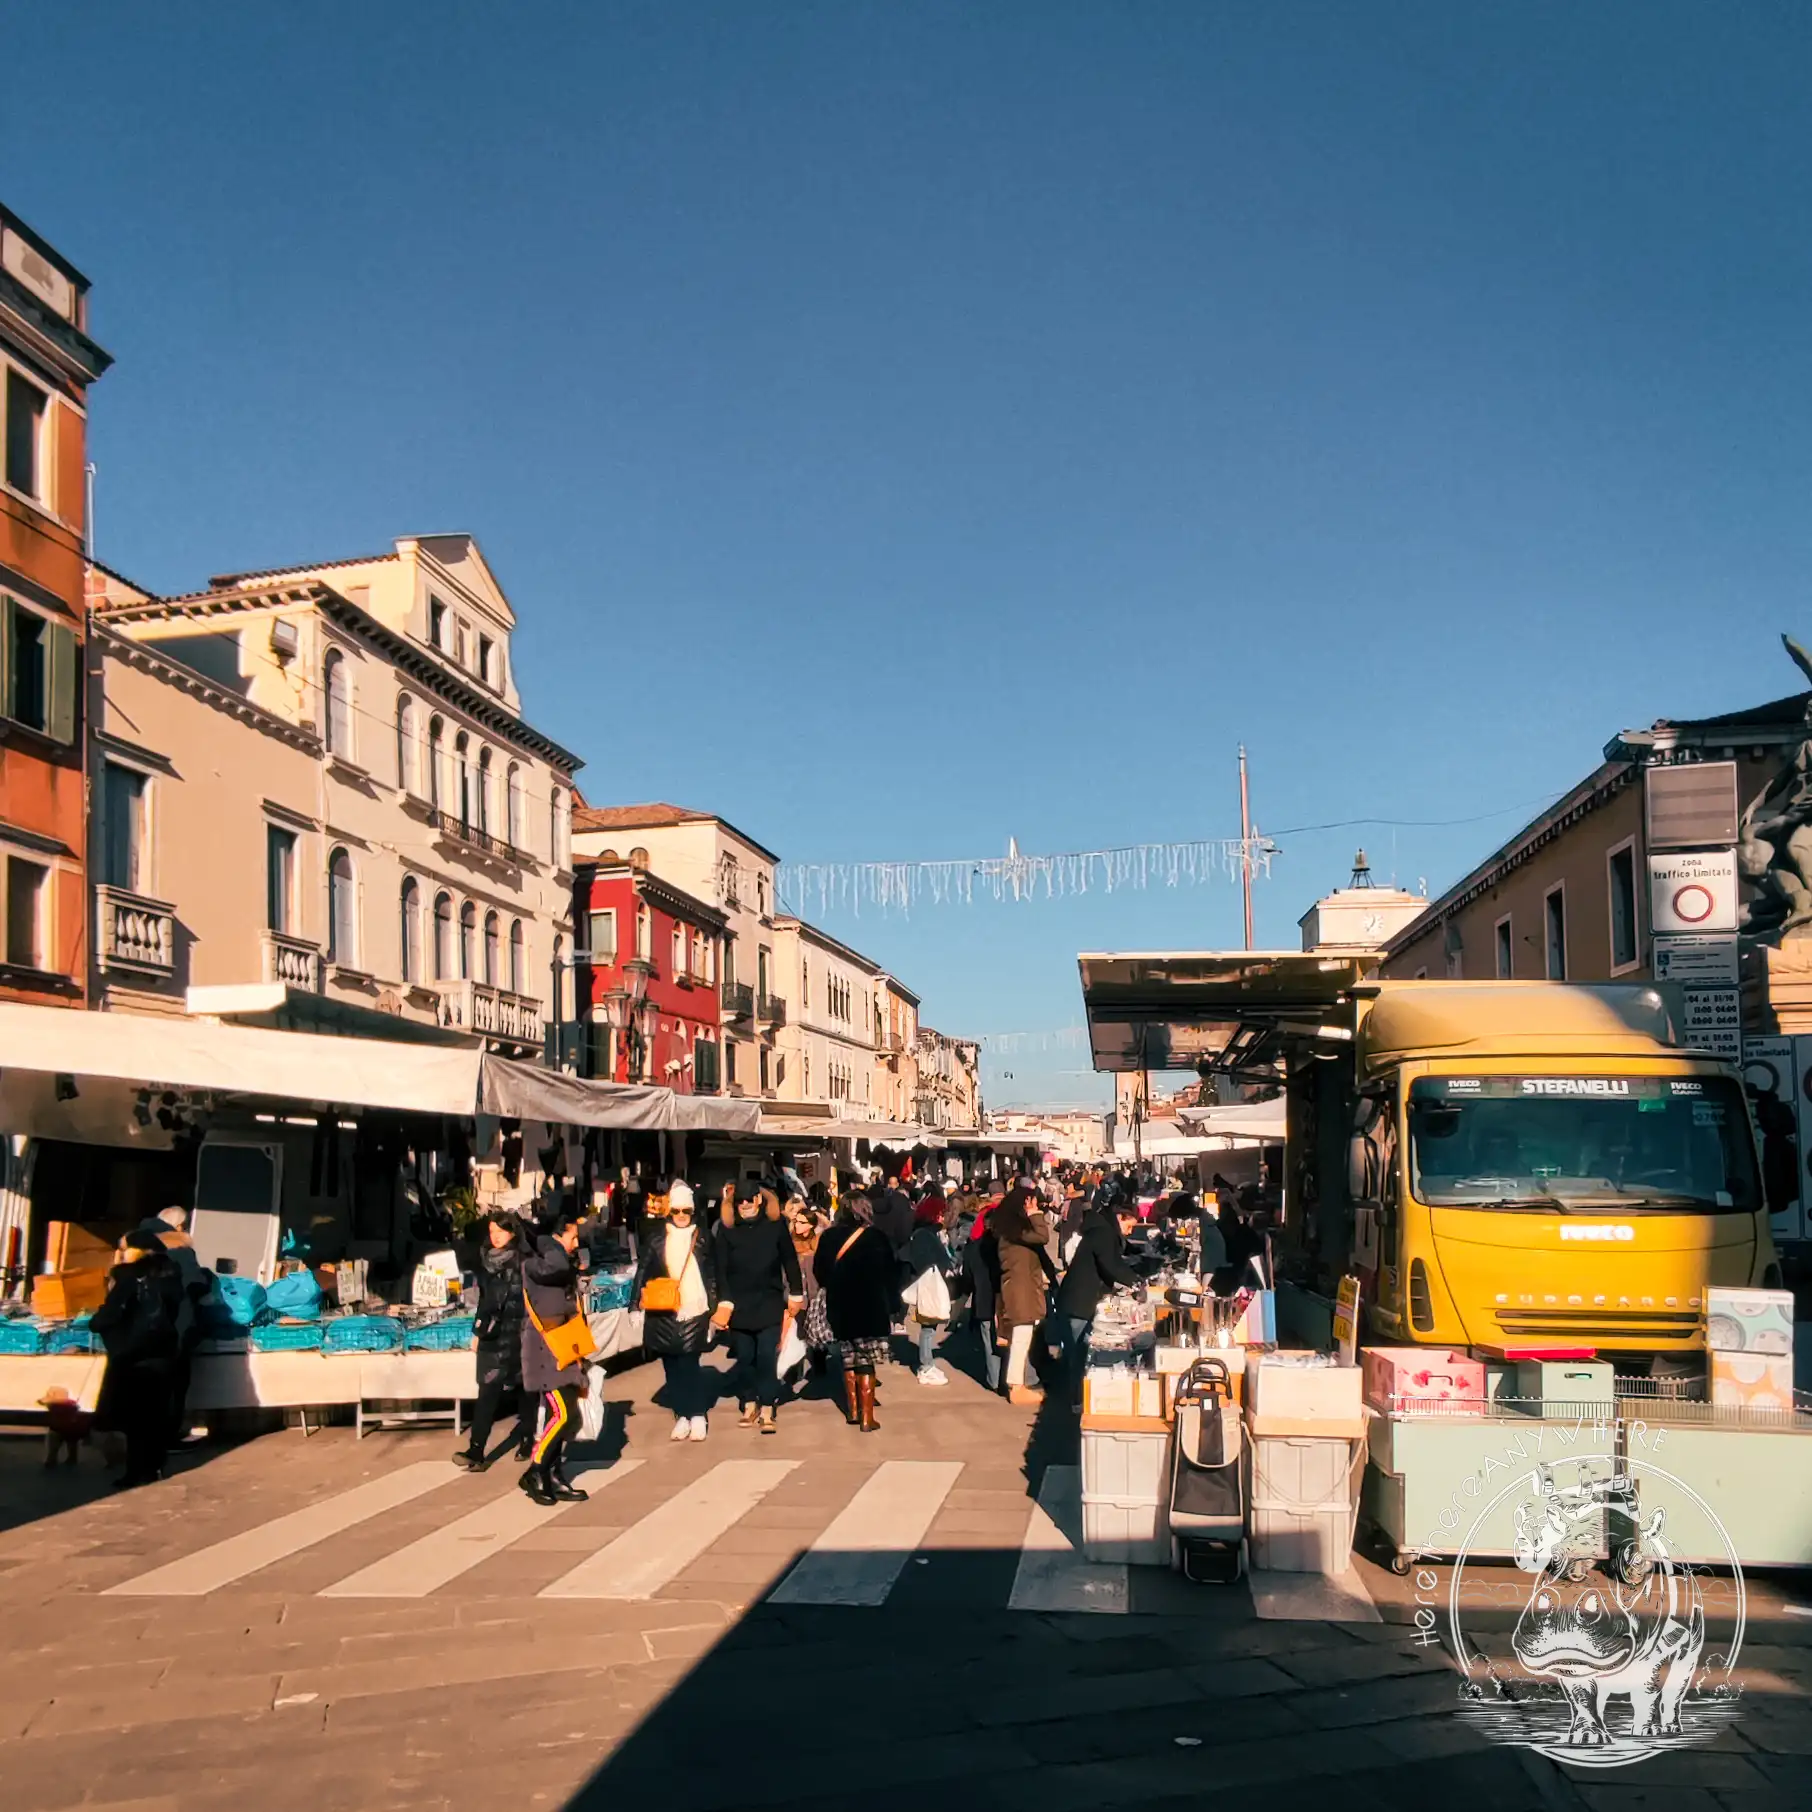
x=904, y=426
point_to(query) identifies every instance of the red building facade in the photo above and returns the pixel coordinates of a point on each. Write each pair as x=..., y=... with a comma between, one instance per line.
x=654, y=955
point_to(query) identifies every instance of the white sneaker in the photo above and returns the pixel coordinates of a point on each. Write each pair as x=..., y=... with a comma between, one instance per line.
x=934, y=1374
x=682, y=1429
x=698, y=1428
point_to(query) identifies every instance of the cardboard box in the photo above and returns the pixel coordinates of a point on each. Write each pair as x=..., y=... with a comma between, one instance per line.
x=68, y=1293
x=1284, y=1384
x=1752, y=1380
x=1148, y=1396
x=1749, y=1321
x=69, y=1246
x=1420, y=1374
x=1107, y=1393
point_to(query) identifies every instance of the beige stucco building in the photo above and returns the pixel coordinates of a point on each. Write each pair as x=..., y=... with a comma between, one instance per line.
x=896, y=1083
x=830, y=1045
x=316, y=800
x=949, y=1082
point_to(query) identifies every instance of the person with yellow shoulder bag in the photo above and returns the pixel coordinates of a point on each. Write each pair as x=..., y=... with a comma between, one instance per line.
x=676, y=1290
x=556, y=1341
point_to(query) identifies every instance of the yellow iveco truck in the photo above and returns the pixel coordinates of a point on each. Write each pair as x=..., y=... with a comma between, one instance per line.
x=1532, y=1163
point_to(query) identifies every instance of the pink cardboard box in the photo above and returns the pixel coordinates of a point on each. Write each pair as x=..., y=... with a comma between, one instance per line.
x=1420, y=1374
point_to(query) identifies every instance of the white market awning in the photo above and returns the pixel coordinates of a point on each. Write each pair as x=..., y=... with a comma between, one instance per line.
x=158, y=1050
x=1238, y=1120
x=525, y=1091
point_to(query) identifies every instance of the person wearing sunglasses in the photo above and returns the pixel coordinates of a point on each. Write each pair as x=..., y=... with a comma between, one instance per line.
x=676, y=1286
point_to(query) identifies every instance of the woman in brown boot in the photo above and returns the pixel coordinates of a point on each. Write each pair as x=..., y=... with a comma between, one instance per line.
x=858, y=1271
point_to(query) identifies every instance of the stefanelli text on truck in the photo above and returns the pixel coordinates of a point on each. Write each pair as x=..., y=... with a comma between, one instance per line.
x=1504, y=1164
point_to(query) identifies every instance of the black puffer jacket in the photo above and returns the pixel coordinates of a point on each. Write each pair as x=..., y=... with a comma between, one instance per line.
x=1099, y=1264
x=499, y=1319
x=757, y=1270
x=550, y=1279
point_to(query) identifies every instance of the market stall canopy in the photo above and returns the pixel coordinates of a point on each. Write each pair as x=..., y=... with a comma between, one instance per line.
x=157, y=1050
x=525, y=1091
x=800, y=1124
x=1230, y=1010
x=1262, y=1120
x=715, y=1114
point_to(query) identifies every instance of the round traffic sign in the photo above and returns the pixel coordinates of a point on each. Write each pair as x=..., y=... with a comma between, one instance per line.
x=1693, y=904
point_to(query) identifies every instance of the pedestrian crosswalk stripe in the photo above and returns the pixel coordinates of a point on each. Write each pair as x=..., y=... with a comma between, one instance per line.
x=443, y=1554
x=665, y=1542
x=858, y=1558
x=195, y=1575
x=1053, y=1575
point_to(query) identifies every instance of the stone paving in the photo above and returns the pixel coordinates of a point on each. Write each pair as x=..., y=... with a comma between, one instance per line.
x=266, y=1693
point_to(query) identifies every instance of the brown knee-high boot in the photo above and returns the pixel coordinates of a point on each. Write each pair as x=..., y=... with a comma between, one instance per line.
x=865, y=1397
x=852, y=1408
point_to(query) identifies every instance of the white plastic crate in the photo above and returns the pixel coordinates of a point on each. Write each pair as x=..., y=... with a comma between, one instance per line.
x=1301, y=1472
x=1300, y=1541
x=1129, y=1531
x=1302, y=1504
x=1130, y=1466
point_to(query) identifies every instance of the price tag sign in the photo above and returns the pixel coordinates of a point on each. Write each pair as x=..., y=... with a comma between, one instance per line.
x=1346, y=1320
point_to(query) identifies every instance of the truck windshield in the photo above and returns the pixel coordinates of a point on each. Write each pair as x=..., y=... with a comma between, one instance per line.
x=1580, y=1143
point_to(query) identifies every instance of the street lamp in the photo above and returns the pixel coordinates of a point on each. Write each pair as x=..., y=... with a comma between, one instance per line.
x=627, y=1011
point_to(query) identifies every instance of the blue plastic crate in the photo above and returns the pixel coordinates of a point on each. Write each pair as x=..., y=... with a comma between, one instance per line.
x=362, y=1334
x=275, y=1337
x=74, y=1337
x=20, y=1336
x=449, y=1335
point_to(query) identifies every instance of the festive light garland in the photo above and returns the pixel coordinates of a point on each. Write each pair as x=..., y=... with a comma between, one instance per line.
x=900, y=886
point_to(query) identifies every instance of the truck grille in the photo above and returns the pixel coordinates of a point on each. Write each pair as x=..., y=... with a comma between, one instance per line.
x=1682, y=1325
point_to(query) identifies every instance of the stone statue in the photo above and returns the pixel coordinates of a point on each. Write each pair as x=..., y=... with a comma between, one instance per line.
x=1774, y=841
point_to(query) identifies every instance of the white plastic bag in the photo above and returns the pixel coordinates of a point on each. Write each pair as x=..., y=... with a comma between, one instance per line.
x=928, y=1296
x=591, y=1405
x=792, y=1349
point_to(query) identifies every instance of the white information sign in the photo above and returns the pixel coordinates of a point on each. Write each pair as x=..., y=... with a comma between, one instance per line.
x=1770, y=1075
x=1697, y=959
x=1696, y=891
x=1713, y=1021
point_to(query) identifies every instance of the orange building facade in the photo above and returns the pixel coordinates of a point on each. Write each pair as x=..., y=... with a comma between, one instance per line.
x=47, y=362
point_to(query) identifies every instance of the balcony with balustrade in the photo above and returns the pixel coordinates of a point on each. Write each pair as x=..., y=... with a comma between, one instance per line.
x=487, y=1012
x=770, y=1009
x=134, y=933
x=293, y=961
x=739, y=1001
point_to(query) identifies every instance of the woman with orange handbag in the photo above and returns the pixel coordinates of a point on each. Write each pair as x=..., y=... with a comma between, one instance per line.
x=676, y=1290
x=555, y=1342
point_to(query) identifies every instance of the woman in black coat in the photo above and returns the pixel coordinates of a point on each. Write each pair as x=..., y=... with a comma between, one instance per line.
x=139, y=1326
x=981, y=1276
x=860, y=1275
x=498, y=1326
x=679, y=1250
x=758, y=1286
x=550, y=1289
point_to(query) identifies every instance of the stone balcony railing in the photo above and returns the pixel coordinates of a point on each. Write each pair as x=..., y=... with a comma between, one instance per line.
x=474, y=1006
x=294, y=961
x=133, y=932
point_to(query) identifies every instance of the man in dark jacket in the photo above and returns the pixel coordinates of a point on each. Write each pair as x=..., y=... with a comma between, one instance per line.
x=1099, y=1264
x=550, y=1285
x=498, y=1326
x=138, y=1325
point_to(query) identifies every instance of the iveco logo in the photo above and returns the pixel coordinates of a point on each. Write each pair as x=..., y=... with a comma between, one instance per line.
x=1616, y=1233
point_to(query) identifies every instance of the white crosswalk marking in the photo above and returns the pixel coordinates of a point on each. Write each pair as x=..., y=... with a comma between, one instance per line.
x=195, y=1575
x=667, y=1541
x=443, y=1554
x=858, y=1558
x=1053, y=1575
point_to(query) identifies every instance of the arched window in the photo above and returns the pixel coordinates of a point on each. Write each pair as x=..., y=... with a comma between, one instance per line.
x=679, y=953
x=513, y=806
x=405, y=743
x=342, y=910
x=556, y=841
x=338, y=683
x=516, y=976
x=462, y=778
x=484, y=789
x=644, y=935
x=437, y=755
x=555, y=979
x=412, y=931
x=490, y=949
x=468, y=936
x=443, y=937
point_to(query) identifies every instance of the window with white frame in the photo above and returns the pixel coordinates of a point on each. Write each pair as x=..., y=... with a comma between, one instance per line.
x=468, y=942
x=1505, y=949
x=27, y=894
x=679, y=954
x=493, y=949
x=644, y=935
x=484, y=789
x=124, y=802
x=411, y=930
x=405, y=744
x=342, y=910
x=337, y=682
x=1554, y=922
x=279, y=878
x=437, y=759
x=601, y=930
x=517, y=970
x=437, y=623
x=513, y=806
x=1626, y=941
x=443, y=937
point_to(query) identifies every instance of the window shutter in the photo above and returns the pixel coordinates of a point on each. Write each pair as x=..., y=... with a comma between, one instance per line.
x=63, y=676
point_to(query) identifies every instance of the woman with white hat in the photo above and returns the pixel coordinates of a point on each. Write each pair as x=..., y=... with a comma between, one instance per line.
x=676, y=1288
